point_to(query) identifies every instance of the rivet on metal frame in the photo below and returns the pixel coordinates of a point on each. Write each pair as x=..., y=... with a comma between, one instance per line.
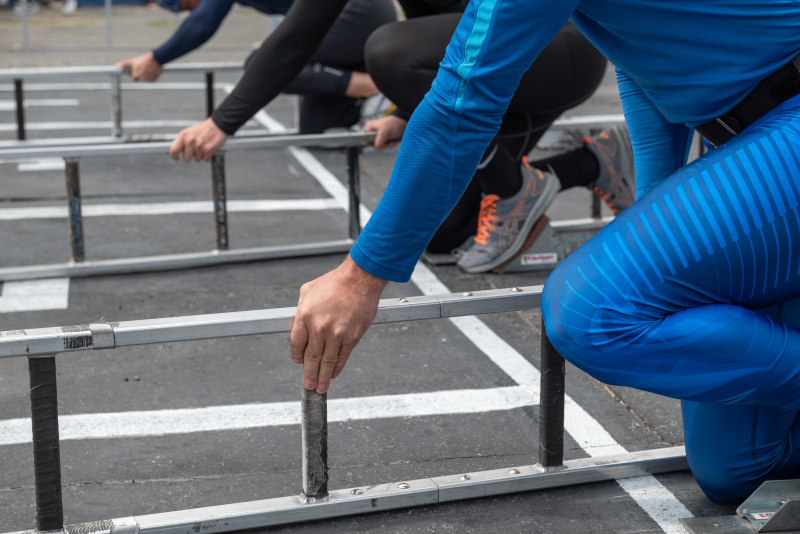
x=513, y=471
x=516, y=290
x=404, y=485
x=466, y=477
x=357, y=491
x=466, y=294
x=402, y=299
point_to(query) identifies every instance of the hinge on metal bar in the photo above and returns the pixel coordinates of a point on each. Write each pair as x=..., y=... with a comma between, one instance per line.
x=102, y=336
x=773, y=507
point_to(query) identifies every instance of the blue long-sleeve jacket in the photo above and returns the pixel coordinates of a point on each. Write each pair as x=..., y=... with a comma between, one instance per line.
x=204, y=21
x=680, y=64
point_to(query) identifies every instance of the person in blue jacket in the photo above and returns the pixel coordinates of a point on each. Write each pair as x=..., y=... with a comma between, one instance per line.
x=690, y=292
x=333, y=84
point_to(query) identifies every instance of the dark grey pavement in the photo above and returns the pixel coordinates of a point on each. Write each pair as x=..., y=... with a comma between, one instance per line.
x=117, y=477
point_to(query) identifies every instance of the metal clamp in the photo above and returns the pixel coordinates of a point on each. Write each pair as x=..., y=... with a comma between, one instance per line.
x=102, y=336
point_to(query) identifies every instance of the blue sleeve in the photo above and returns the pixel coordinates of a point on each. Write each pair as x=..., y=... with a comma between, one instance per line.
x=198, y=28
x=493, y=45
x=659, y=147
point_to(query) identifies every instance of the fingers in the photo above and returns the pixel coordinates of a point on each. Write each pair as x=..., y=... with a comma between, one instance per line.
x=177, y=147
x=298, y=339
x=330, y=359
x=312, y=358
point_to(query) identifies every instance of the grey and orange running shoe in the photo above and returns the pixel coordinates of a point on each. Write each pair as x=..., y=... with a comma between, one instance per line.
x=612, y=148
x=505, y=224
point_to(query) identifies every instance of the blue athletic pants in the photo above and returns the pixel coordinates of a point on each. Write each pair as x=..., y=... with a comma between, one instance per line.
x=688, y=294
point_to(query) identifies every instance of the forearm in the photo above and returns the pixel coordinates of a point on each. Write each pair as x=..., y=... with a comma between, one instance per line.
x=198, y=28
x=279, y=60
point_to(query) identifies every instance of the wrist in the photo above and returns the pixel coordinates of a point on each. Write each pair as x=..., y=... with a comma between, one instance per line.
x=360, y=277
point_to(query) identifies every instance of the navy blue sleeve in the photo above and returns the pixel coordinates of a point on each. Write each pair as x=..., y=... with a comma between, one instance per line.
x=198, y=28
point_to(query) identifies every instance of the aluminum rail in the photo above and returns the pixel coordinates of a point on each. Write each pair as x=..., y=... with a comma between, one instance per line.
x=108, y=335
x=338, y=140
x=104, y=71
x=384, y=497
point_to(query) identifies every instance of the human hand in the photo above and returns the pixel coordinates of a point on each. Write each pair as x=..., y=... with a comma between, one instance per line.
x=333, y=312
x=198, y=142
x=143, y=68
x=390, y=131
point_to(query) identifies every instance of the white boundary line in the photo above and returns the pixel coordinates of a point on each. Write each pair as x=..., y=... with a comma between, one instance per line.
x=34, y=295
x=185, y=421
x=10, y=105
x=170, y=208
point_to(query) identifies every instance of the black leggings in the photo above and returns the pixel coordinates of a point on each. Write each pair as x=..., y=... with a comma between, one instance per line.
x=403, y=59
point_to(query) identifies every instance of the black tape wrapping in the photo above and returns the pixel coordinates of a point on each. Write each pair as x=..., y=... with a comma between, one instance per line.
x=315, y=443
x=46, y=451
x=551, y=405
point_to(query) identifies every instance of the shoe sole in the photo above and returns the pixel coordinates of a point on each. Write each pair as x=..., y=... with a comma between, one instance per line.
x=550, y=191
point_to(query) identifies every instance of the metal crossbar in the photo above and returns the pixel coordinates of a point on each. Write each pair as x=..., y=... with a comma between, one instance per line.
x=42, y=345
x=79, y=264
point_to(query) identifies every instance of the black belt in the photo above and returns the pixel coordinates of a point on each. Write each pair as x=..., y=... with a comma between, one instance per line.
x=779, y=86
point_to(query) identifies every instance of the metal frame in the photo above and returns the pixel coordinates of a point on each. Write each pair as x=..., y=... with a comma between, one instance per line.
x=80, y=266
x=42, y=346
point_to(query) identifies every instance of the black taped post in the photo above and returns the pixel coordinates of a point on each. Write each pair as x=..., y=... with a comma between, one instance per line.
x=73, y=176
x=314, y=407
x=551, y=405
x=354, y=184
x=46, y=451
x=209, y=93
x=596, y=207
x=20, y=103
x=220, y=199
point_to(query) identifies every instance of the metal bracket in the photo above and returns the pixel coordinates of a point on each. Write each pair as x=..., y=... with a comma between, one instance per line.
x=773, y=507
x=102, y=336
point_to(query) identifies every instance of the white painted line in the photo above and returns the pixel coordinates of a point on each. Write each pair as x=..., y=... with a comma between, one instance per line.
x=659, y=503
x=101, y=86
x=10, y=105
x=215, y=418
x=48, y=164
x=97, y=125
x=169, y=208
x=34, y=295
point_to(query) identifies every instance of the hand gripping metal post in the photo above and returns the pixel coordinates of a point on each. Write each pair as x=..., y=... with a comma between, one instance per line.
x=314, y=408
x=551, y=405
x=46, y=450
x=220, y=199
x=19, y=100
x=354, y=183
x=73, y=176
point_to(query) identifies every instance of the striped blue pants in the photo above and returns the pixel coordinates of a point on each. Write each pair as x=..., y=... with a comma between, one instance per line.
x=688, y=294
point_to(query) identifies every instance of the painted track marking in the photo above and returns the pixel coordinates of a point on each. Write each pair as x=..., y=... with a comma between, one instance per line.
x=34, y=295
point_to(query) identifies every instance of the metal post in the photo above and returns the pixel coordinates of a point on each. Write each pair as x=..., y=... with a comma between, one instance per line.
x=551, y=405
x=315, y=444
x=220, y=199
x=116, y=105
x=354, y=184
x=596, y=207
x=46, y=452
x=209, y=93
x=20, y=103
x=109, y=39
x=73, y=175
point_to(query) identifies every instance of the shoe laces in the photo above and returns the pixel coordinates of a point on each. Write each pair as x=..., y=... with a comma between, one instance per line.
x=487, y=216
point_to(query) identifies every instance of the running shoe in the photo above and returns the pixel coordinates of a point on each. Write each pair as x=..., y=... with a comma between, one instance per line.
x=505, y=224
x=374, y=107
x=612, y=148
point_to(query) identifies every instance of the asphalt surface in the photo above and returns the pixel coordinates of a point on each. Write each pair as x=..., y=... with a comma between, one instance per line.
x=135, y=475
